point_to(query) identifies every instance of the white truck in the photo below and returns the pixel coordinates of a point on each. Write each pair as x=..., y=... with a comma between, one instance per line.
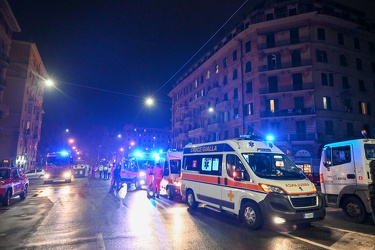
x=347, y=177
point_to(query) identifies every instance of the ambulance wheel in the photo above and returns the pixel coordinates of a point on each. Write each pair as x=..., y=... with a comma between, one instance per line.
x=251, y=215
x=6, y=199
x=169, y=193
x=190, y=200
x=354, y=210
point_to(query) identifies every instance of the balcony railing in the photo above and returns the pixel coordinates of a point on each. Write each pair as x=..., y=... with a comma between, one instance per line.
x=197, y=132
x=214, y=127
x=280, y=89
x=303, y=137
x=288, y=112
x=223, y=106
x=188, y=120
x=285, y=65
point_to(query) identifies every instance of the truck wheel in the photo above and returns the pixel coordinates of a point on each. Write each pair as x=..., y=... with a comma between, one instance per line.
x=23, y=194
x=6, y=199
x=169, y=193
x=354, y=210
x=190, y=199
x=251, y=215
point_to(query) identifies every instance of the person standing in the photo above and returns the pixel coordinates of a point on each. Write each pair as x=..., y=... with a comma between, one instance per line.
x=116, y=178
x=100, y=171
x=149, y=176
x=158, y=176
x=105, y=172
x=93, y=168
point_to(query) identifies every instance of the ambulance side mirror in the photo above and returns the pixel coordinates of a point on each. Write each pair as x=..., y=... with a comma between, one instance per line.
x=326, y=157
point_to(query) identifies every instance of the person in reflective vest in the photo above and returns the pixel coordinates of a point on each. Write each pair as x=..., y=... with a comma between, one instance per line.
x=100, y=171
x=105, y=171
x=158, y=176
x=149, y=175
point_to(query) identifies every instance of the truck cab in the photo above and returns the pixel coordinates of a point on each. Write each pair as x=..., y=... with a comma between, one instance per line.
x=345, y=177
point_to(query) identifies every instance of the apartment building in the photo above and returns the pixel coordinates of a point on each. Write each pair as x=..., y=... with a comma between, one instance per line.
x=301, y=70
x=20, y=130
x=8, y=25
x=145, y=139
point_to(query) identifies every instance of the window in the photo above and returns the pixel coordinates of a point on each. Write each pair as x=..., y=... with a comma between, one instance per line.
x=249, y=109
x=272, y=105
x=235, y=166
x=321, y=56
x=340, y=38
x=248, y=67
x=301, y=129
x=247, y=46
x=343, y=61
x=274, y=61
x=234, y=55
x=204, y=164
x=297, y=81
x=269, y=16
x=292, y=11
x=321, y=34
x=299, y=103
x=225, y=80
x=273, y=84
x=235, y=93
x=225, y=62
x=348, y=105
x=236, y=113
x=349, y=129
x=356, y=43
x=294, y=35
x=249, y=87
x=341, y=155
x=226, y=97
x=208, y=74
x=235, y=75
x=296, y=58
x=364, y=108
x=216, y=68
x=270, y=40
x=345, y=82
x=361, y=85
x=324, y=79
x=373, y=67
x=202, y=78
x=371, y=47
x=329, y=127
x=358, y=63
x=327, y=103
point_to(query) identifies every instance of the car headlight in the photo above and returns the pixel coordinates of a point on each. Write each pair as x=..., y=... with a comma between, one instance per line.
x=142, y=174
x=46, y=176
x=67, y=174
x=272, y=189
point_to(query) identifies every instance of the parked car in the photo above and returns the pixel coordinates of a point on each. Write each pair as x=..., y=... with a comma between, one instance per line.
x=12, y=183
x=35, y=173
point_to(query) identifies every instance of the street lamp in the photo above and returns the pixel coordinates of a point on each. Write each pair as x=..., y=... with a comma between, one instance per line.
x=149, y=101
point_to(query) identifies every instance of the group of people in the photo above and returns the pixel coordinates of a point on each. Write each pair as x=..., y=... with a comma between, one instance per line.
x=104, y=171
x=154, y=177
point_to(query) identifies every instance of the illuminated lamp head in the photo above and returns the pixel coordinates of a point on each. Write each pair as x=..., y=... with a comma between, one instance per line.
x=270, y=138
x=364, y=133
x=64, y=153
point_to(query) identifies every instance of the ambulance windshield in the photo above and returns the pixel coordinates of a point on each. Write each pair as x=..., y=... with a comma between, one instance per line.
x=273, y=166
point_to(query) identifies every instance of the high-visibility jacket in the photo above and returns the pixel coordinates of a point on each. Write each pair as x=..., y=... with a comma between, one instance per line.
x=105, y=168
x=101, y=168
x=158, y=173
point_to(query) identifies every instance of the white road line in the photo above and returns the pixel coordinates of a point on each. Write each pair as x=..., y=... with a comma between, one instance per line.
x=100, y=241
x=308, y=241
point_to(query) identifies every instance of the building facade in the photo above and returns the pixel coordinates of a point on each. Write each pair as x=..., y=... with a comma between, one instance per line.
x=301, y=70
x=145, y=139
x=8, y=25
x=20, y=130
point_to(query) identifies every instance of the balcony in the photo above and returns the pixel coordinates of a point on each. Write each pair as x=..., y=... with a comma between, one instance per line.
x=288, y=88
x=199, y=101
x=288, y=112
x=215, y=91
x=183, y=136
x=184, y=109
x=188, y=120
x=4, y=60
x=223, y=106
x=285, y=65
x=179, y=124
x=214, y=127
x=303, y=137
x=197, y=132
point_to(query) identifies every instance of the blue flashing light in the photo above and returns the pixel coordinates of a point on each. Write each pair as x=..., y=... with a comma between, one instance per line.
x=64, y=153
x=270, y=138
x=138, y=154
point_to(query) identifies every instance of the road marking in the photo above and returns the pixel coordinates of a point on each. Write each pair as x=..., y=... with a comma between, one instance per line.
x=308, y=241
x=100, y=241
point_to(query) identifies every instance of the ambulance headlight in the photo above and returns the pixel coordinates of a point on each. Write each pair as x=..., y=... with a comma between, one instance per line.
x=272, y=189
x=142, y=174
x=67, y=174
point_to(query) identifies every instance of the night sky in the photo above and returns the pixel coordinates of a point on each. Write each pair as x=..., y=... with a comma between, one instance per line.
x=107, y=56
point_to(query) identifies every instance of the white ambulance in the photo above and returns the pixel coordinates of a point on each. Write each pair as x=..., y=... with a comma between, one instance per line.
x=251, y=179
x=171, y=182
x=346, y=178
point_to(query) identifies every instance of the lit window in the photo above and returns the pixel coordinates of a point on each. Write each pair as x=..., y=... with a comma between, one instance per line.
x=327, y=102
x=208, y=74
x=217, y=68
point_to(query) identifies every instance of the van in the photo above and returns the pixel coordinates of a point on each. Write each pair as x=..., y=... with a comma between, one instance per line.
x=251, y=179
